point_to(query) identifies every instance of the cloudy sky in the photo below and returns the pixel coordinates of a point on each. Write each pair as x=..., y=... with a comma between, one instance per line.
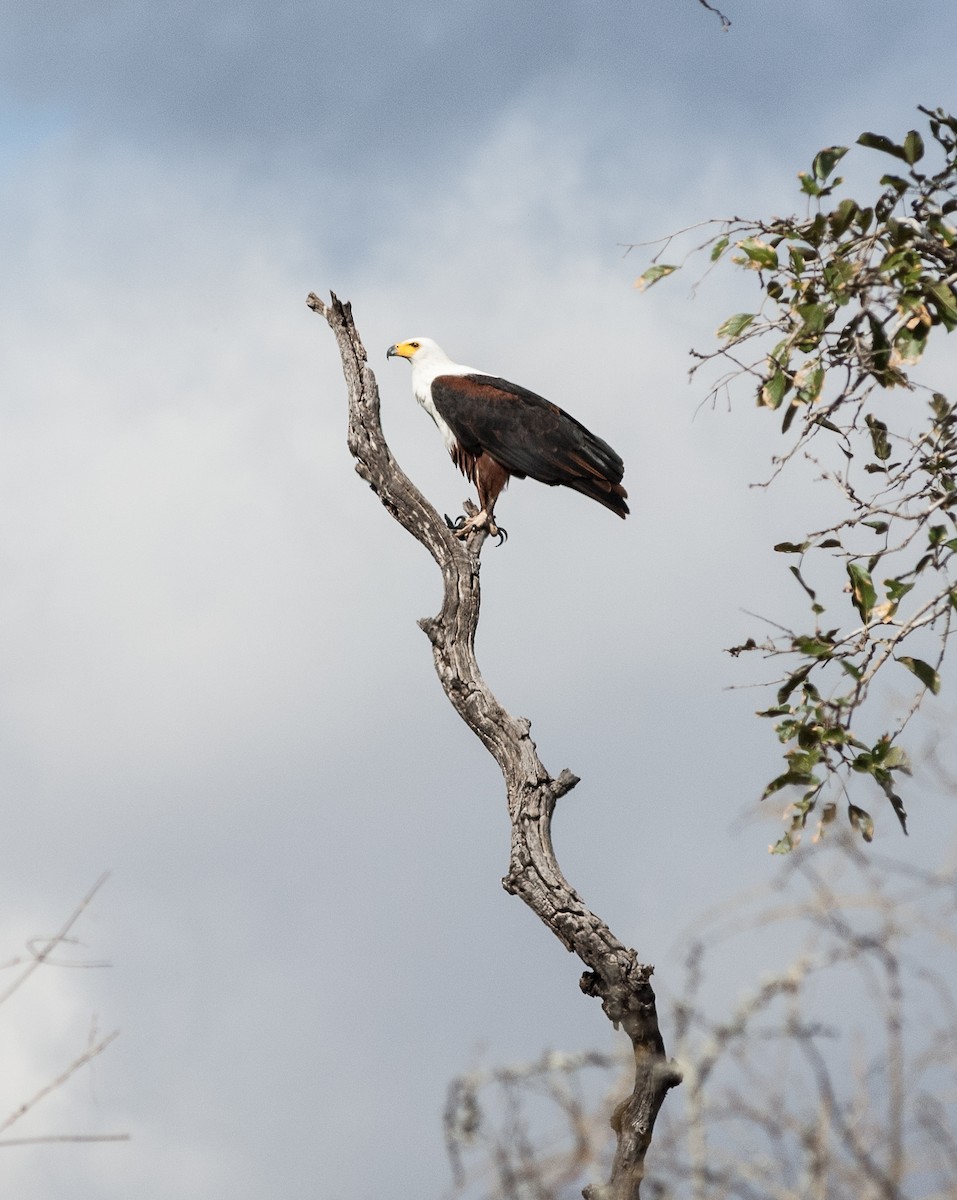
x=213, y=684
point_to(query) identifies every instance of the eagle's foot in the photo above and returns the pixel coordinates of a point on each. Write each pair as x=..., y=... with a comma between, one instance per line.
x=481, y=520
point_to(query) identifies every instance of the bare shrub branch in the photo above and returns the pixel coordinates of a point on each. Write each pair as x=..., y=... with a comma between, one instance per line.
x=42, y=951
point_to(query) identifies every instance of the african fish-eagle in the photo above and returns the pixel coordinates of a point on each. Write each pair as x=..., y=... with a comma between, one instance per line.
x=494, y=430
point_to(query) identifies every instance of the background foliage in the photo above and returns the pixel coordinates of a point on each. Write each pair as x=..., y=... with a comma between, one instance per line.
x=849, y=296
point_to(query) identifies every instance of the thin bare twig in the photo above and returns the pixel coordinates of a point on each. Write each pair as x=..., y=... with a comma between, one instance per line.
x=87, y=1056
x=42, y=955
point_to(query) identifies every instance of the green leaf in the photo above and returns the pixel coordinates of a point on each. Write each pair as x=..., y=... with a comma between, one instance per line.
x=736, y=325
x=791, y=547
x=760, y=255
x=899, y=185
x=808, y=184
x=896, y=759
x=814, y=647
x=719, y=248
x=863, y=594
x=784, y=845
x=880, y=355
x=814, y=317
x=826, y=160
x=790, y=778
x=910, y=343
x=877, y=141
x=882, y=448
x=842, y=217
x=913, y=147
x=897, y=589
x=792, y=681
x=809, y=382
x=941, y=296
x=924, y=672
x=653, y=274
x=774, y=390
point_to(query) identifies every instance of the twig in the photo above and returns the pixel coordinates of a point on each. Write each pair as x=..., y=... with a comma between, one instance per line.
x=42, y=955
x=87, y=1056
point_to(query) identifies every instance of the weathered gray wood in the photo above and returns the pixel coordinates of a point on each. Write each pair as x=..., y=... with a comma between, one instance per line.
x=614, y=974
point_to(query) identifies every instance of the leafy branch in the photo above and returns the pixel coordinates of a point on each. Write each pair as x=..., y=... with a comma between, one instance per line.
x=849, y=296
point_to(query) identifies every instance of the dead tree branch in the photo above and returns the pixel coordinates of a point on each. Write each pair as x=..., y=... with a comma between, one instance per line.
x=613, y=974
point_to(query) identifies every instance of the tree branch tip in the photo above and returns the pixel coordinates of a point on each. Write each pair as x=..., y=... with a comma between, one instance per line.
x=564, y=783
x=313, y=301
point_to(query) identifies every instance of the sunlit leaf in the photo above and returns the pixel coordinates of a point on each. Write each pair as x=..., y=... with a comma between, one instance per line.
x=760, y=255
x=735, y=325
x=719, y=248
x=653, y=274
x=774, y=391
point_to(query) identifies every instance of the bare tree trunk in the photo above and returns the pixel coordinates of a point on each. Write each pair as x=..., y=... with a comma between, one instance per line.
x=614, y=973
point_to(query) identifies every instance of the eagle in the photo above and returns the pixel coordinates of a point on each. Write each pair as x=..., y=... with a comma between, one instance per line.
x=495, y=430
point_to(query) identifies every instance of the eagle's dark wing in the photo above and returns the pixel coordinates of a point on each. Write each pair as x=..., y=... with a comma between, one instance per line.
x=529, y=435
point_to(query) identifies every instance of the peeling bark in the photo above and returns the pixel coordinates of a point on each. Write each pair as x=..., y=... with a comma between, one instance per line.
x=614, y=975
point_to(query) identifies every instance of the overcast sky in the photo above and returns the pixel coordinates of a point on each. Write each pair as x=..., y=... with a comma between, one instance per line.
x=213, y=684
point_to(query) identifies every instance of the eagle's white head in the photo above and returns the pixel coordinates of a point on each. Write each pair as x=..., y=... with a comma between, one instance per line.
x=428, y=361
x=418, y=350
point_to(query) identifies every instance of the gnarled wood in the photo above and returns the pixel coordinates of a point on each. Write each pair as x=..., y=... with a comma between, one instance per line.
x=613, y=974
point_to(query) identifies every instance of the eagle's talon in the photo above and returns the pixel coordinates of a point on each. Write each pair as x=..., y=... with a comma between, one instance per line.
x=498, y=532
x=456, y=524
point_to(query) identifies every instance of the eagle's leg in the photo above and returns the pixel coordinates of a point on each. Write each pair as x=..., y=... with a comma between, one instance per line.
x=481, y=520
x=490, y=478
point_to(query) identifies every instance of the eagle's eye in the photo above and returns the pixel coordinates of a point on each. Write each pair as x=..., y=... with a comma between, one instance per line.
x=414, y=345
